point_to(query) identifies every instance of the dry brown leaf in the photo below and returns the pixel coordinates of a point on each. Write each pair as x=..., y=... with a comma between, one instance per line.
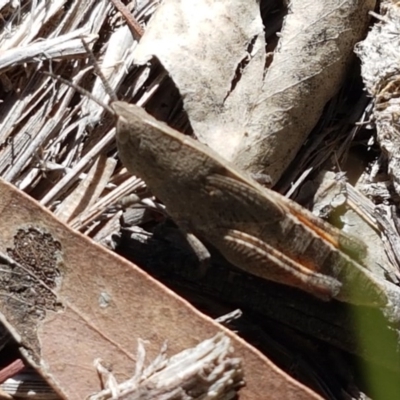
x=313, y=55
x=203, y=45
x=214, y=51
x=68, y=301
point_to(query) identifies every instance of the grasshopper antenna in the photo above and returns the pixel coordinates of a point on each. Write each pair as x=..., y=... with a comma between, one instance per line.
x=84, y=92
x=100, y=74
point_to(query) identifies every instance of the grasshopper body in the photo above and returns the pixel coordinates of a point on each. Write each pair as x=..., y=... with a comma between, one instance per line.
x=255, y=228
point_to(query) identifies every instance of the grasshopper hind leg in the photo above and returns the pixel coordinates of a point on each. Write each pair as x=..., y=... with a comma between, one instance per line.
x=258, y=258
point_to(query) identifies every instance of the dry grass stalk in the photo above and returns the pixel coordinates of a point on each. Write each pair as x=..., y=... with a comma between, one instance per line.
x=61, y=154
x=206, y=371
